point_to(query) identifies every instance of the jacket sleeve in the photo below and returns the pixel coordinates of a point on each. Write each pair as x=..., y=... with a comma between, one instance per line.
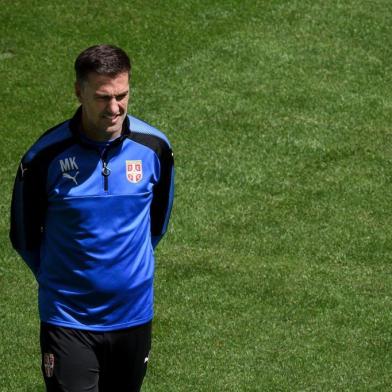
x=162, y=196
x=27, y=208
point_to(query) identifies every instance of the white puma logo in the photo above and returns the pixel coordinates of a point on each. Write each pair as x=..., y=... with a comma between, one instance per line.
x=73, y=178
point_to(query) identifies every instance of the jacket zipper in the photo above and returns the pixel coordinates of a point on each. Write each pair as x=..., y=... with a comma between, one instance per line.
x=105, y=170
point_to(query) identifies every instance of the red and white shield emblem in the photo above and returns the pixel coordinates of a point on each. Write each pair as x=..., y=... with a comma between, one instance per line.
x=134, y=171
x=48, y=364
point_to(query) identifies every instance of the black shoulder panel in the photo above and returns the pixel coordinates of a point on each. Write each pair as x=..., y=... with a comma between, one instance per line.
x=50, y=130
x=156, y=144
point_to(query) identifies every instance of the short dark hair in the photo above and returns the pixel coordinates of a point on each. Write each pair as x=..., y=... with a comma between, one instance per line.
x=103, y=60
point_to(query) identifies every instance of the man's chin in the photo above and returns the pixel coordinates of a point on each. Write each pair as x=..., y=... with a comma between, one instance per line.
x=113, y=132
x=103, y=129
x=114, y=127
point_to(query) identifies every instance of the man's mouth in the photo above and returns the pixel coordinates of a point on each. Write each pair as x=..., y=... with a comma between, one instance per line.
x=111, y=117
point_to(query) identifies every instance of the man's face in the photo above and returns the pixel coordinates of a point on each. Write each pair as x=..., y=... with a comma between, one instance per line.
x=104, y=102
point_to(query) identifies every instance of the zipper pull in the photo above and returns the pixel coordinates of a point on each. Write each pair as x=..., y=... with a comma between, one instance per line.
x=105, y=170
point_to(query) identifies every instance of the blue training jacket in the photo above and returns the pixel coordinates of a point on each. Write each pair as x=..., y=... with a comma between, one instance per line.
x=86, y=218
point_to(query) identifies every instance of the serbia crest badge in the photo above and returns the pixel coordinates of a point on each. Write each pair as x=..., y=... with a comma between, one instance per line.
x=134, y=170
x=48, y=364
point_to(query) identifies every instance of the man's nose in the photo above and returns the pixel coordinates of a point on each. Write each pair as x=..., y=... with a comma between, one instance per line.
x=113, y=106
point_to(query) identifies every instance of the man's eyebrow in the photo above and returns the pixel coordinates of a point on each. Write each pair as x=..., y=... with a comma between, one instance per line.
x=105, y=95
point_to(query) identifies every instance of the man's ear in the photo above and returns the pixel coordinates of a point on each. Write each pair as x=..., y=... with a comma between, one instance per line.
x=78, y=91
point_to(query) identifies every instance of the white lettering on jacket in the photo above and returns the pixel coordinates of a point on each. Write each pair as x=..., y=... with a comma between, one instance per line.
x=68, y=164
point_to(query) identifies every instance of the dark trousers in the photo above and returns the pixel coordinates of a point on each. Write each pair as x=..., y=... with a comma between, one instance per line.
x=76, y=361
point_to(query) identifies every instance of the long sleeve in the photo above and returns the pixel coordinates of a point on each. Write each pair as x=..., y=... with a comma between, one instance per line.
x=163, y=197
x=26, y=215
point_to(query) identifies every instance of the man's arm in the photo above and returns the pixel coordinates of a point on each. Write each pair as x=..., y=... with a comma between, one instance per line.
x=163, y=196
x=26, y=215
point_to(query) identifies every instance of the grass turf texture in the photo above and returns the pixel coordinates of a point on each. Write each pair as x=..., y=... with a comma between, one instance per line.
x=276, y=272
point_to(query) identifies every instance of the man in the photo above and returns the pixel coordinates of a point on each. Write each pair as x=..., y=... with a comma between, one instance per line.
x=91, y=201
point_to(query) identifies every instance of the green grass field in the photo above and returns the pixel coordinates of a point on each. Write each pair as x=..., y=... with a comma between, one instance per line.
x=276, y=272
